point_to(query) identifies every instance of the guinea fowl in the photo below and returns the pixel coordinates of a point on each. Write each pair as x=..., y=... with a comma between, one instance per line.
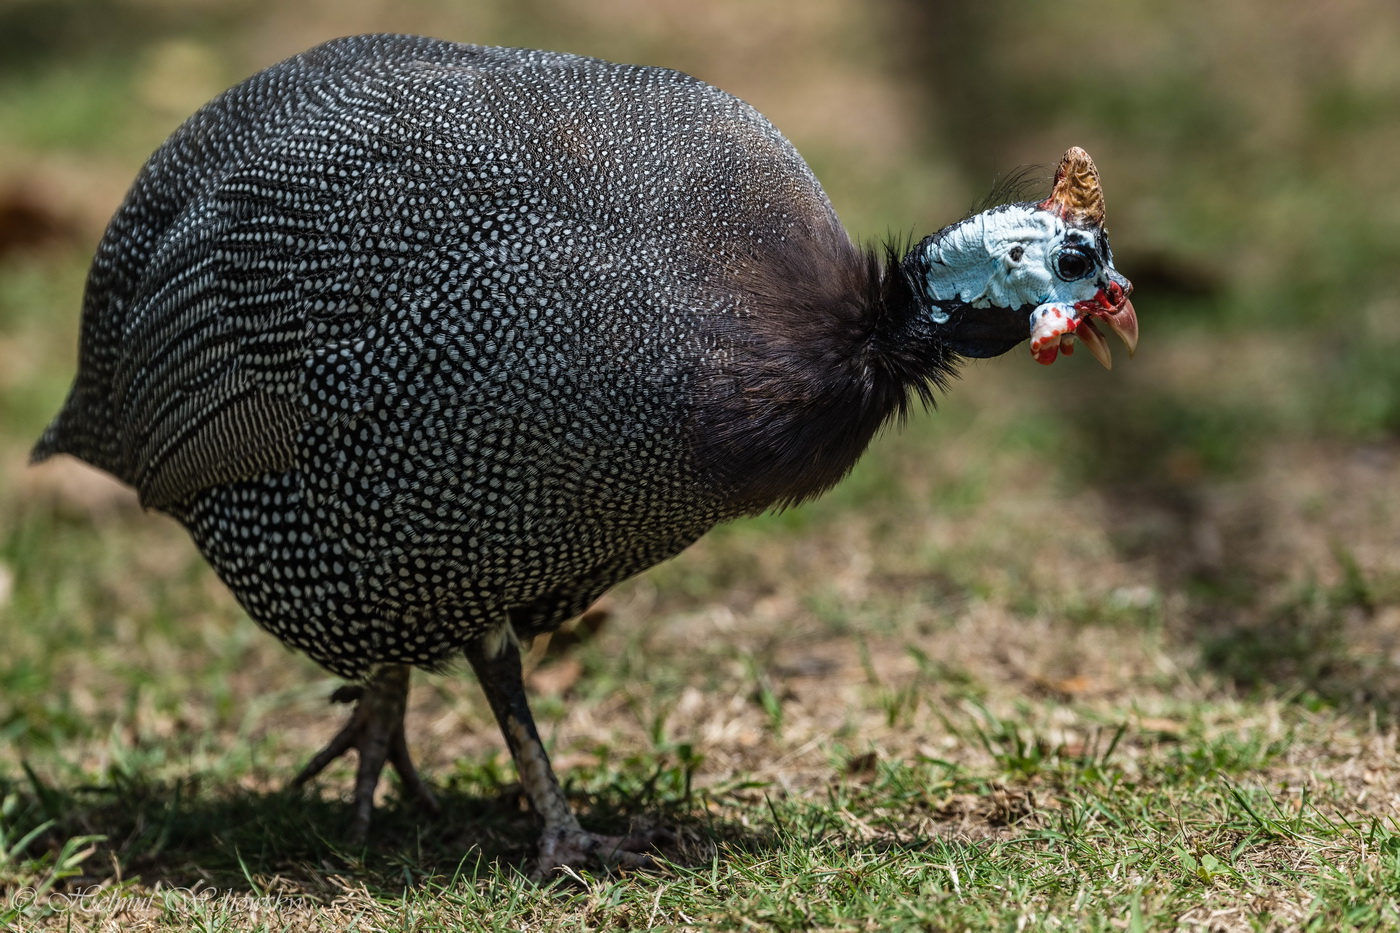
x=428, y=345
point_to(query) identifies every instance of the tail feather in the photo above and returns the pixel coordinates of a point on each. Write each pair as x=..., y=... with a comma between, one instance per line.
x=81, y=428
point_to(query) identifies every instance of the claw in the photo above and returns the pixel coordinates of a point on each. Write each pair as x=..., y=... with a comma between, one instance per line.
x=564, y=848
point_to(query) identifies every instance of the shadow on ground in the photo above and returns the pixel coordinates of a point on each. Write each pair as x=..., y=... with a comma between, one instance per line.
x=175, y=836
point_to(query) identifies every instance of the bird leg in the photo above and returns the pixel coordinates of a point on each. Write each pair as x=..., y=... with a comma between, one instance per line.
x=496, y=660
x=375, y=731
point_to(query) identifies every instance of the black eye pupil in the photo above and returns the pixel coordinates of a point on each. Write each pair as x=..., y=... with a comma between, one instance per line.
x=1072, y=264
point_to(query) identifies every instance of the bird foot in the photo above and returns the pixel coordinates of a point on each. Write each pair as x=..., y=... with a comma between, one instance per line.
x=576, y=848
x=375, y=732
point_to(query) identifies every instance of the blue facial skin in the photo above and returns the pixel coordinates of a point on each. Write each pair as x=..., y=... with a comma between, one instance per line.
x=1018, y=265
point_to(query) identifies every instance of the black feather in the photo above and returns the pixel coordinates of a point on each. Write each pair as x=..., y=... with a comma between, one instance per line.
x=1021, y=184
x=834, y=344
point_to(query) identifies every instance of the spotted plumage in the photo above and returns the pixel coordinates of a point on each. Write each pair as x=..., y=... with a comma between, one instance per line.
x=396, y=337
x=428, y=345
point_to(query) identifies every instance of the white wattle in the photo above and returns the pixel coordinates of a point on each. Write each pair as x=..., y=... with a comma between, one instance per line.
x=1051, y=324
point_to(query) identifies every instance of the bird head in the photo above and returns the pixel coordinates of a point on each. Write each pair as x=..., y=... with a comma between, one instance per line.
x=1041, y=270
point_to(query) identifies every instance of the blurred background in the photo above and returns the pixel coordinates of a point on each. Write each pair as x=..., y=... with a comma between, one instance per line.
x=1230, y=492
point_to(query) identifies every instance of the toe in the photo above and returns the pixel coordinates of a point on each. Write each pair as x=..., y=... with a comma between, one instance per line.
x=580, y=849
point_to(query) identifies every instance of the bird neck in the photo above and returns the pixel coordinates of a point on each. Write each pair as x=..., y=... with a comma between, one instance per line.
x=825, y=354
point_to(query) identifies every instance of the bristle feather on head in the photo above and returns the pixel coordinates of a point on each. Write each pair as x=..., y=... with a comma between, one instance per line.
x=1015, y=187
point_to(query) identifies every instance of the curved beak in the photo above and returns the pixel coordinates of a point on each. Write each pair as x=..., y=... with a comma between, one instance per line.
x=1054, y=326
x=1111, y=306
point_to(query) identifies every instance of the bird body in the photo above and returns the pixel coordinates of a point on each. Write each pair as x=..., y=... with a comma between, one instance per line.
x=469, y=298
x=428, y=345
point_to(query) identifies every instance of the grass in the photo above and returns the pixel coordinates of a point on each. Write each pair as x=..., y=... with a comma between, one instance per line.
x=1154, y=833
x=883, y=713
x=1079, y=651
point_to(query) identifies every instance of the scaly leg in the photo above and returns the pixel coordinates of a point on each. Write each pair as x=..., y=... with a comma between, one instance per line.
x=496, y=660
x=375, y=731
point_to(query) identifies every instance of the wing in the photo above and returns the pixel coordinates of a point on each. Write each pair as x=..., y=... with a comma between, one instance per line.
x=244, y=254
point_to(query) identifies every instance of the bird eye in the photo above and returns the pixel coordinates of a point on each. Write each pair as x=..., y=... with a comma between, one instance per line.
x=1073, y=264
x=1017, y=252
